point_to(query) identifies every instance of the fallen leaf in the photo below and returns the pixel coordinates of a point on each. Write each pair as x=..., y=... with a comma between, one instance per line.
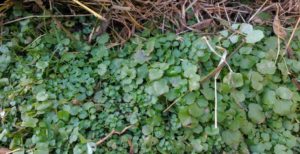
x=203, y=24
x=278, y=29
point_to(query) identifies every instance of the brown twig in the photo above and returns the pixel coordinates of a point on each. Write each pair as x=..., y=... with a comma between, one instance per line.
x=168, y=108
x=112, y=133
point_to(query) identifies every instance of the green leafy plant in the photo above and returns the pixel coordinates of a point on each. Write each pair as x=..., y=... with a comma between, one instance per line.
x=61, y=96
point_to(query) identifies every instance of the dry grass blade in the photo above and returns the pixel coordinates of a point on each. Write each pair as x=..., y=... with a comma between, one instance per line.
x=258, y=10
x=168, y=108
x=90, y=10
x=293, y=33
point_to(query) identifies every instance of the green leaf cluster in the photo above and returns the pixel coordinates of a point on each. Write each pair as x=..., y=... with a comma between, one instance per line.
x=60, y=95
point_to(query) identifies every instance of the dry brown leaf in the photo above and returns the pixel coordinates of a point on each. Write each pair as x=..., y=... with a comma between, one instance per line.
x=203, y=24
x=4, y=151
x=278, y=29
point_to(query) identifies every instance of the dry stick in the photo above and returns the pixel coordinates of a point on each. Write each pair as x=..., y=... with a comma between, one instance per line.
x=226, y=14
x=14, y=151
x=287, y=48
x=45, y=16
x=293, y=33
x=216, y=100
x=168, y=108
x=90, y=10
x=112, y=133
x=278, y=49
x=216, y=93
x=257, y=11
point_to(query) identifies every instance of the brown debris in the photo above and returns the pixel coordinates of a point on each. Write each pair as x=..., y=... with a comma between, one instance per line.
x=203, y=24
x=278, y=28
x=123, y=18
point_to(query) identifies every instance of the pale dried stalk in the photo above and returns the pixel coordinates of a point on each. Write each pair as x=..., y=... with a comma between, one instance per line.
x=214, y=51
x=258, y=10
x=223, y=60
x=278, y=49
x=90, y=10
x=293, y=33
x=216, y=102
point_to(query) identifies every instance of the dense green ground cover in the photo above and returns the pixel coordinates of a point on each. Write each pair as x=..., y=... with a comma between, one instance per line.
x=59, y=95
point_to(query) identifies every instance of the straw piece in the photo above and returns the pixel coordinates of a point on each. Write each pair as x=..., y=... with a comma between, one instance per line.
x=90, y=10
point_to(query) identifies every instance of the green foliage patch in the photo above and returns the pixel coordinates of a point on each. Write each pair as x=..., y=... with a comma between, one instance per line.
x=60, y=96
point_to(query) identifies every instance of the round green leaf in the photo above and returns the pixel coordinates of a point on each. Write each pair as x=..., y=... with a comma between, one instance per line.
x=42, y=96
x=266, y=67
x=284, y=93
x=234, y=80
x=255, y=113
x=246, y=28
x=155, y=74
x=254, y=36
x=41, y=64
x=283, y=107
